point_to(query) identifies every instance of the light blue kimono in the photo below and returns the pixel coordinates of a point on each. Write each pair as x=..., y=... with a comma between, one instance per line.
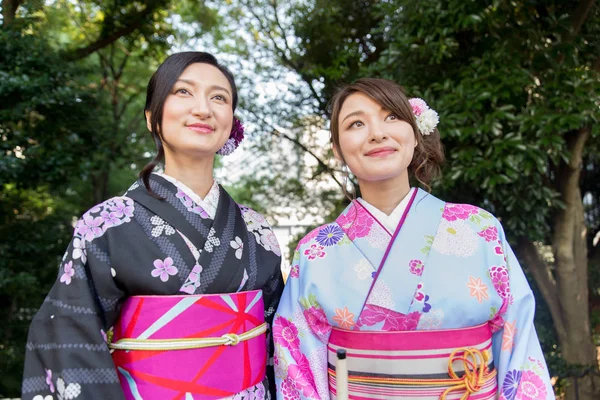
x=446, y=266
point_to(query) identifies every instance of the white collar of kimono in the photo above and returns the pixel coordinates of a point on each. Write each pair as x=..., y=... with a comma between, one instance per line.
x=209, y=203
x=389, y=221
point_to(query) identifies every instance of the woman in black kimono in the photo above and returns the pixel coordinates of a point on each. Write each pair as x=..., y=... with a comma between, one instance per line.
x=177, y=233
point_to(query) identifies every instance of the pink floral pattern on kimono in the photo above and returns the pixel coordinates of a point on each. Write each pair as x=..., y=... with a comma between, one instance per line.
x=392, y=320
x=452, y=212
x=310, y=236
x=317, y=320
x=490, y=234
x=531, y=387
x=356, y=223
x=286, y=333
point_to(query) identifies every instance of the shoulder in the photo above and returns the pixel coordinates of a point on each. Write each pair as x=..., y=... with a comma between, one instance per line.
x=258, y=225
x=467, y=212
x=331, y=231
x=108, y=214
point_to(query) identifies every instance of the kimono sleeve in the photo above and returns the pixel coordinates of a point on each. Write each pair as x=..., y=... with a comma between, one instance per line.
x=301, y=333
x=67, y=356
x=522, y=370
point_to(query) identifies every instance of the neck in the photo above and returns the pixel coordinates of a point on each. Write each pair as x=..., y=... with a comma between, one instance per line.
x=195, y=173
x=385, y=195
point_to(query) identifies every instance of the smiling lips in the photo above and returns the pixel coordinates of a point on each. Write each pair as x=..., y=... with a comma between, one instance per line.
x=381, y=152
x=201, y=128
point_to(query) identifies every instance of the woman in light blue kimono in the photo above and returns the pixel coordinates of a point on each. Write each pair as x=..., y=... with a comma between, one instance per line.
x=426, y=297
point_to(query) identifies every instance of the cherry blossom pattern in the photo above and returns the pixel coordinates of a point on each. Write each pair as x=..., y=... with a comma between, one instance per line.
x=164, y=268
x=295, y=271
x=193, y=280
x=191, y=205
x=97, y=220
x=314, y=251
x=68, y=273
x=79, y=251
x=238, y=246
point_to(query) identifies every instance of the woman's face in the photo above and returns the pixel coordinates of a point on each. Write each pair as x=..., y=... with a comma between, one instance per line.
x=374, y=143
x=198, y=113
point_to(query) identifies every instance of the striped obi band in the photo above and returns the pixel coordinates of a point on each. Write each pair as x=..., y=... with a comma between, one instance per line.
x=190, y=346
x=441, y=364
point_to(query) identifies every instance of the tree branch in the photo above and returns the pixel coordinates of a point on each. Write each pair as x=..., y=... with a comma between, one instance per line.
x=281, y=54
x=543, y=277
x=322, y=164
x=137, y=21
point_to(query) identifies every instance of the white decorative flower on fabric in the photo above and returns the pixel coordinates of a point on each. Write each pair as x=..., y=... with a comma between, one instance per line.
x=39, y=397
x=431, y=320
x=269, y=241
x=381, y=295
x=67, y=392
x=79, y=250
x=211, y=241
x=378, y=237
x=456, y=238
x=318, y=364
x=254, y=221
x=238, y=246
x=159, y=226
x=363, y=269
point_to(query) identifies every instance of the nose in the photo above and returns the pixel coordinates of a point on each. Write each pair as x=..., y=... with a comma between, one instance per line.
x=201, y=108
x=376, y=133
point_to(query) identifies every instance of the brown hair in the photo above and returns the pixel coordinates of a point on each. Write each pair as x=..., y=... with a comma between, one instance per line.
x=429, y=152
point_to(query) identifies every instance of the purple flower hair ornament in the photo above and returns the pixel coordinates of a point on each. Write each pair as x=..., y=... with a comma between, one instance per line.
x=235, y=138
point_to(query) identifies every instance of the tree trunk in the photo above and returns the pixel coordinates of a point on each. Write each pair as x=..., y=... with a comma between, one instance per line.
x=570, y=251
x=9, y=11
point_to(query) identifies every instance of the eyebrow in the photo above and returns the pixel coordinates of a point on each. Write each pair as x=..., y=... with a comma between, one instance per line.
x=352, y=114
x=212, y=87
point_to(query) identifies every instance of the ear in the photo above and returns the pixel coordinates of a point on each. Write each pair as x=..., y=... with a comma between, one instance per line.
x=148, y=120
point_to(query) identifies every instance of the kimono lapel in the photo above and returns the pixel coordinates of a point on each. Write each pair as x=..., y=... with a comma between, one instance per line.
x=407, y=255
x=189, y=219
x=225, y=250
x=365, y=232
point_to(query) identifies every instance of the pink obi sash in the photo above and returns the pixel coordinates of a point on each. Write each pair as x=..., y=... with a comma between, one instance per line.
x=440, y=364
x=176, y=347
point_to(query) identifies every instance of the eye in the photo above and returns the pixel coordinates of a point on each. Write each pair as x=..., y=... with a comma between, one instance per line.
x=220, y=97
x=356, y=124
x=391, y=117
x=182, y=91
